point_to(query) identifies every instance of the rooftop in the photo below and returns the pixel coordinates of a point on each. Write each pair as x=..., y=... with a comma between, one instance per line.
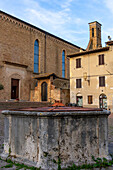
x=88, y=52
x=47, y=75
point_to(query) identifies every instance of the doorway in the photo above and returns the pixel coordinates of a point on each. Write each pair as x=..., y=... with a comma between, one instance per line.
x=103, y=101
x=79, y=100
x=44, y=91
x=14, y=88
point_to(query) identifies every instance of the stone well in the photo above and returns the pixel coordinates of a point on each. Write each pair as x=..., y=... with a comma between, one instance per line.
x=40, y=135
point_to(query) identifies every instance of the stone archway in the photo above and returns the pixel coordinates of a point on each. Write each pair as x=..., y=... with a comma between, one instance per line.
x=103, y=101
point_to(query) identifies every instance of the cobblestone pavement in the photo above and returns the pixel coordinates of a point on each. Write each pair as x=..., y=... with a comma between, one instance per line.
x=110, y=140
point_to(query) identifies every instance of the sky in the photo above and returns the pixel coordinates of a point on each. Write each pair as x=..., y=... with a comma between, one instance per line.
x=67, y=19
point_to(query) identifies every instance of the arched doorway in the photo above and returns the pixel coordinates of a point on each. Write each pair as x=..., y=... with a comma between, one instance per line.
x=103, y=101
x=44, y=91
x=79, y=99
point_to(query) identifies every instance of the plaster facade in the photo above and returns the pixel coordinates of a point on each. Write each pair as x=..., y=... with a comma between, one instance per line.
x=89, y=74
x=96, y=76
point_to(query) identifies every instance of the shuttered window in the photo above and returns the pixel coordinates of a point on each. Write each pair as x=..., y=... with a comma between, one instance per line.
x=102, y=81
x=101, y=59
x=78, y=83
x=78, y=63
x=90, y=99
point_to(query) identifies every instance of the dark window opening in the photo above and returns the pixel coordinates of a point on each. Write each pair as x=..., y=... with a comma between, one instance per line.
x=101, y=59
x=44, y=91
x=92, y=32
x=98, y=32
x=78, y=63
x=78, y=83
x=90, y=99
x=102, y=81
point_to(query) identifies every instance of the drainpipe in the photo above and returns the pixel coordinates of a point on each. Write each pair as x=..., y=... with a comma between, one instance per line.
x=45, y=55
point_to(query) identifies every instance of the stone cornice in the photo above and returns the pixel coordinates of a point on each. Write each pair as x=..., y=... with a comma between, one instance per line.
x=15, y=64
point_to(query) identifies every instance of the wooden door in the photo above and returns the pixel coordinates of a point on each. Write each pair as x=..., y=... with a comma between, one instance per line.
x=14, y=88
x=44, y=91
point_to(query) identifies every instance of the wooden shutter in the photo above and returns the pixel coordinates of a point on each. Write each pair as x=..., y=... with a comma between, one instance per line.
x=78, y=83
x=90, y=99
x=102, y=81
x=101, y=59
x=78, y=62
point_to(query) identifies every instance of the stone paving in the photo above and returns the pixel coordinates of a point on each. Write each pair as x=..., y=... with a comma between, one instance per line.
x=110, y=139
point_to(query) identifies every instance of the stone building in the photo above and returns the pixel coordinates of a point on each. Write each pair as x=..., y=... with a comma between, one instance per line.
x=27, y=55
x=91, y=73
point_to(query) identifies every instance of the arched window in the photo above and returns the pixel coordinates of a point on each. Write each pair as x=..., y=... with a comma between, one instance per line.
x=44, y=91
x=63, y=64
x=103, y=101
x=36, y=57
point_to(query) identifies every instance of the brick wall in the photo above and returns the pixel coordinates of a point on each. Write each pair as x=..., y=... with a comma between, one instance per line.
x=17, y=54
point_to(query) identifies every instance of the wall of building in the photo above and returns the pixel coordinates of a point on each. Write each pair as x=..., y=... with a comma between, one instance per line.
x=57, y=90
x=17, y=47
x=36, y=92
x=90, y=86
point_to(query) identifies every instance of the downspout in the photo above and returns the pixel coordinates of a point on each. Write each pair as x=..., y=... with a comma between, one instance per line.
x=45, y=55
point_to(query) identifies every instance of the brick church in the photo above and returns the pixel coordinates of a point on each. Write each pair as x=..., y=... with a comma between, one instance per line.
x=33, y=62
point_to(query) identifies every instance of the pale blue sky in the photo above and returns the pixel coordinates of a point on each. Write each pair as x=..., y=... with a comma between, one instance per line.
x=67, y=19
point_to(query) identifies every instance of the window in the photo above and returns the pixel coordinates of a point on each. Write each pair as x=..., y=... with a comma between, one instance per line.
x=78, y=63
x=92, y=32
x=90, y=99
x=101, y=59
x=36, y=84
x=102, y=81
x=36, y=57
x=98, y=32
x=78, y=83
x=63, y=64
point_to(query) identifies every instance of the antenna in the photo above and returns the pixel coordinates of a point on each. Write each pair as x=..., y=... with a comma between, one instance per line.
x=109, y=38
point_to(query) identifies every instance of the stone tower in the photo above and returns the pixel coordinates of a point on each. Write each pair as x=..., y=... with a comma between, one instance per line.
x=95, y=35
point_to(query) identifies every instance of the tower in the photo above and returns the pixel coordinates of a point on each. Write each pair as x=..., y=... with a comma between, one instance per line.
x=95, y=35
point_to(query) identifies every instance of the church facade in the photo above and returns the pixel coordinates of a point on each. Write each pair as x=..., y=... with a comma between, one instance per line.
x=31, y=61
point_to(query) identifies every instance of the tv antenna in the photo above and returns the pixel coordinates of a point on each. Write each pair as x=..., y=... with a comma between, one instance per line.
x=109, y=38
